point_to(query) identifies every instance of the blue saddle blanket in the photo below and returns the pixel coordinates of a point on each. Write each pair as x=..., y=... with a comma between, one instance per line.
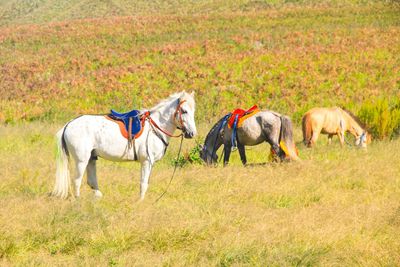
x=124, y=117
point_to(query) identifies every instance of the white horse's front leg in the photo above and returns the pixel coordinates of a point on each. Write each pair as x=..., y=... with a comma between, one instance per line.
x=144, y=179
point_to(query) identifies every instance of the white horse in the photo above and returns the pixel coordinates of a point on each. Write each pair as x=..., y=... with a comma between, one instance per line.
x=90, y=136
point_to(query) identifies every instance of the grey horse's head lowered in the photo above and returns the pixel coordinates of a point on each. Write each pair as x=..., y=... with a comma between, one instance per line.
x=212, y=143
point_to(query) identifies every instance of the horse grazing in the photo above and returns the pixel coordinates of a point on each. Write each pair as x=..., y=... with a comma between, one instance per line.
x=264, y=126
x=90, y=136
x=333, y=121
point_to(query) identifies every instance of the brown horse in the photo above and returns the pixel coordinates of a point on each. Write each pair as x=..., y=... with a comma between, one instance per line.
x=333, y=121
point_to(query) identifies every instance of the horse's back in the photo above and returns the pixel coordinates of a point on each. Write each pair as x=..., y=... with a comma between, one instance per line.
x=325, y=119
x=261, y=118
x=86, y=129
x=252, y=130
x=85, y=125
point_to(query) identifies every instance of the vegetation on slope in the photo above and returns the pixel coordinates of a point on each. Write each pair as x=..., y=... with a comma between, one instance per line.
x=287, y=59
x=14, y=12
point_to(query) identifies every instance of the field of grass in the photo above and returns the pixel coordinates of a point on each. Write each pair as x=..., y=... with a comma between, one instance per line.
x=336, y=207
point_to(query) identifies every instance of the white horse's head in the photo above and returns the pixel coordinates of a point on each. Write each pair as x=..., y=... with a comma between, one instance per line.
x=184, y=114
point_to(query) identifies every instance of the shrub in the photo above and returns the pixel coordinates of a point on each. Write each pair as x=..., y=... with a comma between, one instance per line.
x=192, y=157
x=382, y=117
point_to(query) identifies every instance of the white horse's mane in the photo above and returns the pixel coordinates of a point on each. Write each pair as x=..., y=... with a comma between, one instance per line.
x=167, y=100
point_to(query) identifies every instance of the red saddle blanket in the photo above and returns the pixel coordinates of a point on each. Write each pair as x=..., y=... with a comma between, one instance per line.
x=242, y=115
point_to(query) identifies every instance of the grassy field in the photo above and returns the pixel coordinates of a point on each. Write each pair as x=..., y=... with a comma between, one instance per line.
x=336, y=207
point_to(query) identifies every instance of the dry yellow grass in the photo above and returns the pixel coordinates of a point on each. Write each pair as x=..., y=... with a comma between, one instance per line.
x=337, y=207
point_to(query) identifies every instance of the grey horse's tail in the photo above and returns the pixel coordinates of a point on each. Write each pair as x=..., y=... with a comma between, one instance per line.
x=287, y=138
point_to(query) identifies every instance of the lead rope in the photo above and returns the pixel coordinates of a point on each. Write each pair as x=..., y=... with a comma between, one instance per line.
x=225, y=119
x=347, y=142
x=344, y=134
x=173, y=173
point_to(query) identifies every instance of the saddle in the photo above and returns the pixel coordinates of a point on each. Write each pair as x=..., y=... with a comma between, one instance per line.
x=238, y=116
x=130, y=123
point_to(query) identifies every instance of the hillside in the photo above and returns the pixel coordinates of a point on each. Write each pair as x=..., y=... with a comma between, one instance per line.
x=14, y=12
x=288, y=59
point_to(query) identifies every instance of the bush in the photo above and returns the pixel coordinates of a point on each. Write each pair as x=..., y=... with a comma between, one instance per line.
x=192, y=157
x=382, y=117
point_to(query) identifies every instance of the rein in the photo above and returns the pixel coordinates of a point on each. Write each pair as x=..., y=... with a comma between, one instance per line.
x=153, y=123
x=161, y=130
x=173, y=173
x=347, y=142
x=177, y=111
x=225, y=119
x=344, y=135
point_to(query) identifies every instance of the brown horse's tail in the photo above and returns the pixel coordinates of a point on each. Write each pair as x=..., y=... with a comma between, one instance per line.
x=287, y=141
x=307, y=130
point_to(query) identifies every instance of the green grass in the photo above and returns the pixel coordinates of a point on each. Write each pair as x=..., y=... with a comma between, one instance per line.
x=338, y=206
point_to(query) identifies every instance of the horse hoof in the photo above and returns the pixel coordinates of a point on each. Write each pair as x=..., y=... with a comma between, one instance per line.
x=97, y=193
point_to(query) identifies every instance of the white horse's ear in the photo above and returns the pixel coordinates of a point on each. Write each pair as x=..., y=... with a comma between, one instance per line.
x=192, y=93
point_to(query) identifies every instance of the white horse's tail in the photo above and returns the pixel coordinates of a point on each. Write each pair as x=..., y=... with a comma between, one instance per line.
x=62, y=183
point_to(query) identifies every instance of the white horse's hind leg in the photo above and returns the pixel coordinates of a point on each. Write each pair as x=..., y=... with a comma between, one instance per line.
x=144, y=179
x=92, y=178
x=80, y=171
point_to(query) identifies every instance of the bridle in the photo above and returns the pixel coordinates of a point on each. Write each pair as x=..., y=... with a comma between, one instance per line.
x=362, y=137
x=178, y=111
x=153, y=124
x=213, y=152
